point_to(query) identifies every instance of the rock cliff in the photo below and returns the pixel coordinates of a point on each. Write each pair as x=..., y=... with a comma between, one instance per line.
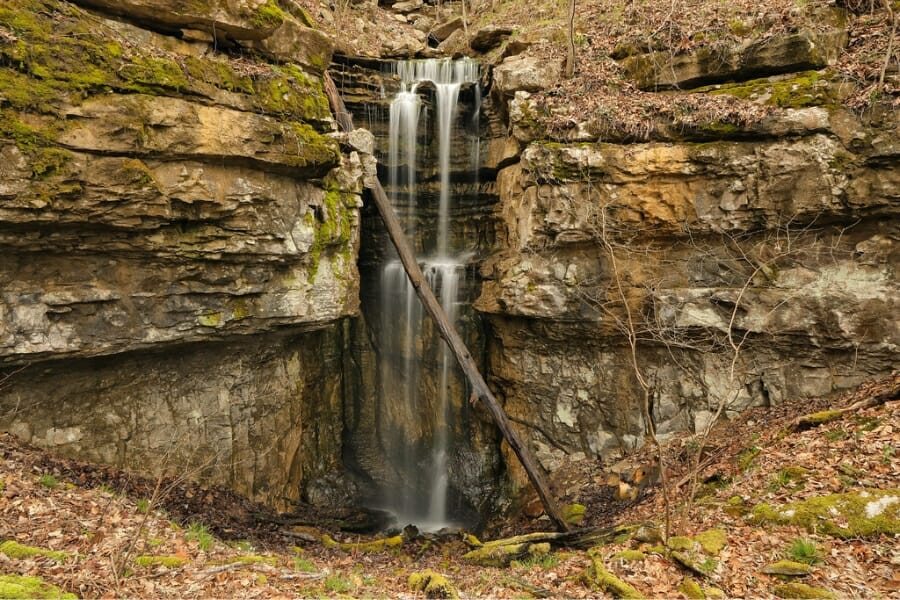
x=701, y=263
x=162, y=205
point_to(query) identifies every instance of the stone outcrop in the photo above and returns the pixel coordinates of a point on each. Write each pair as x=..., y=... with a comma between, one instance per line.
x=750, y=265
x=161, y=208
x=783, y=53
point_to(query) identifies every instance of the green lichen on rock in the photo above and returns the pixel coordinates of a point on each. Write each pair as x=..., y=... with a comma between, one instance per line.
x=800, y=590
x=169, y=562
x=432, y=584
x=712, y=541
x=854, y=514
x=20, y=587
x=14, y=549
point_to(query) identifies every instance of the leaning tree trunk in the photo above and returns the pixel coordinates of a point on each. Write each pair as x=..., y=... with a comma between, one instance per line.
x=447, y=331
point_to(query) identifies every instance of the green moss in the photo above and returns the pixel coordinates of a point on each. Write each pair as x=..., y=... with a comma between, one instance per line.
x=169, y=562
x=800, y=590
x=379, y=545
x=787, y=567
x=801, y=91
x=746, y=457
x=629, y=555
x=333, y=223
x=432, y=584
x=712, y=541
x=499, y=554
x=267, y=16
x=691, y=589
x=250, y=559
x=821, y=417
x=62, y=57
x=600, y=579
x=680, y=542
x=16, y=550
x=573, y=513
x=854, y=514
x=30, y=588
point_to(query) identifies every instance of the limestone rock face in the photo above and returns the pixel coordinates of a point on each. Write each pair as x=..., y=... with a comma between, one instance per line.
x=750, y=268
x=179, y=236
x=237, y=19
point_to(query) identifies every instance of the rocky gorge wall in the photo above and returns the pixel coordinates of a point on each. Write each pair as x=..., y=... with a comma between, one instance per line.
x=748, y=265
x=178, y=232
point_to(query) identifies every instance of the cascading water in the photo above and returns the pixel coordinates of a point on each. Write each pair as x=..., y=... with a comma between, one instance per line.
x=420, y=457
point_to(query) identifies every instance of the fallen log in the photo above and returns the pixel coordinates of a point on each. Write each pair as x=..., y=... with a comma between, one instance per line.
x=882, y=391
x=479, y=387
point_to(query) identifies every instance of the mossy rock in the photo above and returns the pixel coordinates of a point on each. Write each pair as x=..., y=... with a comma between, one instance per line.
x=169, y=562
x=16, y=550
x=690, y=588
x=800, y=91
x=695, y=562
x=800, y=590
x=854, y=514
x=598, y=578
x=736, y=507
x=680, y=542
x=30, y=588
x=787, y=568
x=379, y=545
x=714, y=592
x=61, y=58
x=501, y=555
x=712, y=541
x=629, y=555
x=432, y=584
x=573, y=514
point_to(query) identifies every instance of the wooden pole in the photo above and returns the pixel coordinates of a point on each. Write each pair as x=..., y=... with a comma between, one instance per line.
x=448, y=332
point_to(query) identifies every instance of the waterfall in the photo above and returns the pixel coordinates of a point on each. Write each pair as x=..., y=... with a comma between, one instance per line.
x=420, y=456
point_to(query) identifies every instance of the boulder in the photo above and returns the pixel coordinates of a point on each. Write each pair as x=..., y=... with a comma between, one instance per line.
x=407, y=6
x=526, y=73
x=489, y=37
x=442, y=31
x=785, y=53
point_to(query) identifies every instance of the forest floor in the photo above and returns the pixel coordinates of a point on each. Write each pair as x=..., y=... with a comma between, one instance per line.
x=76, y=528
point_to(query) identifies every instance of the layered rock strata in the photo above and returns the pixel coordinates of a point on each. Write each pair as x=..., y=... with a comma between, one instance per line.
x=707, y=269
x=162, y=206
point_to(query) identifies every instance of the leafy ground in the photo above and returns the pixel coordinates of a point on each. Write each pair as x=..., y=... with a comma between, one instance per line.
x=98, y=532
x=865, y=78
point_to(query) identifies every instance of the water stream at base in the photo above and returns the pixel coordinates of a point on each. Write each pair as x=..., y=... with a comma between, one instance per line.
x=422, y=465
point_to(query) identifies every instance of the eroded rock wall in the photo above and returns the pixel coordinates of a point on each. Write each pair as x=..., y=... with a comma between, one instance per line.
x=726, y=266
x=165, y=208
